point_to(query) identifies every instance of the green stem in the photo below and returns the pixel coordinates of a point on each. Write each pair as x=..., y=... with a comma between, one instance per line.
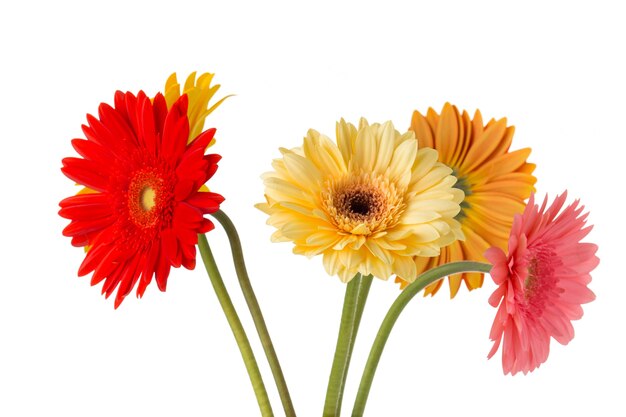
x=255, y=311
x=236, y=327
x=398, y=305
x=353, y=305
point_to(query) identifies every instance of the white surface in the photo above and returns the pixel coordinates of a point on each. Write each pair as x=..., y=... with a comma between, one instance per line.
x=556, y=72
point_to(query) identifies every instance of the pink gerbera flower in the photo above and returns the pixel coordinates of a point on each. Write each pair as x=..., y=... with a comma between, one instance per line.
x=541, y=283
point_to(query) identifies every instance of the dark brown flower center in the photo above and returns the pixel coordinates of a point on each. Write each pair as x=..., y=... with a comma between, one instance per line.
x=362, y=204
x=359, y=203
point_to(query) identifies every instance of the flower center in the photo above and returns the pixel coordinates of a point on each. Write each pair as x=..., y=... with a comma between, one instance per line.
x=362, y=204
x=532, y=280
x=540, y=283
x=148, y=198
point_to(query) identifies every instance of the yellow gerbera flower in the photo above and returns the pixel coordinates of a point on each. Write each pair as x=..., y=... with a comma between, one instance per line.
x=495, y=182
x=368, y=204
x=199, y=92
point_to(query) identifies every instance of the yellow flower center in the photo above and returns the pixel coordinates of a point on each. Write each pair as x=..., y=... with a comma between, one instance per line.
x=147, y=197
x=362, y=204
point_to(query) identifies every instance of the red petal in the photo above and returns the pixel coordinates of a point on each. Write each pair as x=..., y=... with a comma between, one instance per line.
x=147, y=131
x=86, y=211
x=213, y=158
x=93, y=258
x=212, y=168
x=170, y=249
x=149, y=268
x=93, y=151
x=202, y=140
x=175, y=131
x=81, y=240
x=106, y=266
x=188, y=247
x=129, y=278
x=192, y=166
x=189, y=263
x=118, y=124
x=160, y=112
x=84, y=199
x=206, y=202
x=83, y=227
x=162, y=272
x=131, y=106
x=183, y=188
x=186, y=217
x=113, y=280
x=85, y=172
x=207, y=226
x=101, y=134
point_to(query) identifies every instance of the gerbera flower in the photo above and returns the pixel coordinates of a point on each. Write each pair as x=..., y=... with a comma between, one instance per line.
x=496, y=183
x=199, y=93
x=541, y=283
x=368, y=204
x=142, y=209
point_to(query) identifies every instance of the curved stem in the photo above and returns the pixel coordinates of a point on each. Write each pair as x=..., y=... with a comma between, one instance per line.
x=255, y=311
x=398, y=305
x=353, y=305
x=236, y=327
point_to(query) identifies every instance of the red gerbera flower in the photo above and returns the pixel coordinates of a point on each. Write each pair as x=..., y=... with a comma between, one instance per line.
x=143, y=208
x=542, y=282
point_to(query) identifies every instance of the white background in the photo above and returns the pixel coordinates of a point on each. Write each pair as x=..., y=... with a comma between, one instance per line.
x=555, y=70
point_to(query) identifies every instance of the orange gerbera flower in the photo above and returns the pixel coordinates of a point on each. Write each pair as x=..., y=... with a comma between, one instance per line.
x=496, y=183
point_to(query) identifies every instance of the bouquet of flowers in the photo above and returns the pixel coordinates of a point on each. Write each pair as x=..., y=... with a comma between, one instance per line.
x=446, y=200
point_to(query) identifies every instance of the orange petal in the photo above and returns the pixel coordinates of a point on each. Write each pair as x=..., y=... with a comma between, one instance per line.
x=423, y=131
